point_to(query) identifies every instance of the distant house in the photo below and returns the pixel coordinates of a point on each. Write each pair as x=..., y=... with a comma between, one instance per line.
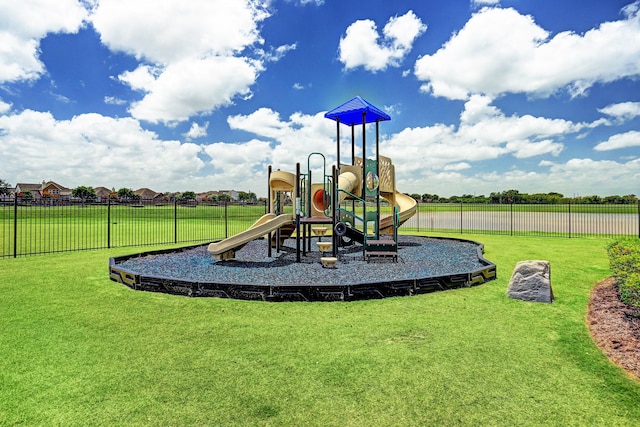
x=147, y=194
x=44, y=190
x=233, y=194
x=104, y=193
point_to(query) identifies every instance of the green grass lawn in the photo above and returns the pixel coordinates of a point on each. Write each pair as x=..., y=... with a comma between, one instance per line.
x=78, y=349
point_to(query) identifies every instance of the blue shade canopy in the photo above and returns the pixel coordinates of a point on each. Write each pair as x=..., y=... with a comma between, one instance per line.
x=350, y=113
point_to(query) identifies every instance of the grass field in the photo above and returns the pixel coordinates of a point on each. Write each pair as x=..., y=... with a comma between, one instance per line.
x=78, y=349
x=43, y=229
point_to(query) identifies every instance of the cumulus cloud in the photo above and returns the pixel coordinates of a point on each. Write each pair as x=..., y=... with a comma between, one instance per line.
x=4, y=107
x=193, y=54
x=21, y=31
x=119, y=151
x=197, y=131
x=361, y=47
x=484, y=2
x=590, y=176
x=484, y=133
x=622, y=140
x=294, y=138
x=623, y=111
x=509, y=53
x=192, y=86
x=166, y=31
x=306, y=2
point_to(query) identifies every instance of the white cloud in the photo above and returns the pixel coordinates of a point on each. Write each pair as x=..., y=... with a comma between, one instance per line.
x=112, y=100
x=306, y=2
x=360, y=46
x=509, y=53
x=275, y=54
x=484, y=133
x=21, y=31
x=484, y=2
x=622, y=140
x=4, y=107
x=588, y=176
x=118, y=151
x=192, y=52
x=623, y=111
x=457, y=166
x=192, y=86
x=575, y=176
x=165, y=31
x=293, y=139
x=197, y=131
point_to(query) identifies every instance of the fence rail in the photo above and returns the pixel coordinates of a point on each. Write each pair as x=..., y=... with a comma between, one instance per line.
x=49, y=226
x=552, y=220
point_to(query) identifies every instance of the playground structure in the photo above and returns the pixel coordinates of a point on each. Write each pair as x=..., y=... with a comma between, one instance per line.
x=337, y=211
x=346, y=201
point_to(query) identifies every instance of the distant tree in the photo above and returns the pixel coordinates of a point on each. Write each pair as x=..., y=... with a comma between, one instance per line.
x=188, y=195
x=247, y=197
x=84, y=193
x=507, y=197
x=5, y=188
x=592, y=200
x=416, y=196
x=126, y=194
x=430, y=198
x=27, y=195
x=224, y=198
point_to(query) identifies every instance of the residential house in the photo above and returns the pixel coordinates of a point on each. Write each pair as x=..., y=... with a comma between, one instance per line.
x=147, y=194
x=103, y=193
x=44, y=190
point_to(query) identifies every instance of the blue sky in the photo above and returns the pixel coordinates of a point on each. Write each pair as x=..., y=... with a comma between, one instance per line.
x=484, y=95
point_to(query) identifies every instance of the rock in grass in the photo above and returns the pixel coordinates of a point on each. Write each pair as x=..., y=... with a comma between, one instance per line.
x=531, y=281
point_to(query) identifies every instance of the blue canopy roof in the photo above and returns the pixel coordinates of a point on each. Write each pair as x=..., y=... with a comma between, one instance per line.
x=350, y=113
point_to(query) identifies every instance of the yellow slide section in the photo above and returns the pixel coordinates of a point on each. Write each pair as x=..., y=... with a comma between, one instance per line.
x=346, y=182
x=268, y=223
x=407, y=207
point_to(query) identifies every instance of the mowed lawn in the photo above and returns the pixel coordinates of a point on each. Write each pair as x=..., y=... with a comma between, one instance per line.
x=79, y=349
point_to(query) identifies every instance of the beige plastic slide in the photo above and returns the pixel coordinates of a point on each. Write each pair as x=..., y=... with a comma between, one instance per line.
x=268, y=223
x=407, y=207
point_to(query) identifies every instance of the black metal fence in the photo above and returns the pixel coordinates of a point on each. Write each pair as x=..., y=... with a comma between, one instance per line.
x=545, y=220
x=50, y=225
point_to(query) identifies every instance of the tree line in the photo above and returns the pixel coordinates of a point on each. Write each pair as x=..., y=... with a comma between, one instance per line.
x=515, y=197
x=502, y=197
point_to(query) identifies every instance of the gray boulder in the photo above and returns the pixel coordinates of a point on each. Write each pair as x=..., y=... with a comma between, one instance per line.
x=531, y=281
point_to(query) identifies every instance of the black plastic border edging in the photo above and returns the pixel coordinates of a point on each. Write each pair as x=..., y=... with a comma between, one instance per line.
x=344, y=292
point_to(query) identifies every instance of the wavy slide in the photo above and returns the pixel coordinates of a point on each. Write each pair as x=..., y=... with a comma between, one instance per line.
x=268, y=223
x=407, y=207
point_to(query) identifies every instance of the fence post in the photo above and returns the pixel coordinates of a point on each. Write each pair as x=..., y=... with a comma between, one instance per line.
x=569, y=211
x=226, y=220
x=511, y=219
x=15, y=226
x=460, y=217
x=109, y=222
x=639, y=218
x=175, y=220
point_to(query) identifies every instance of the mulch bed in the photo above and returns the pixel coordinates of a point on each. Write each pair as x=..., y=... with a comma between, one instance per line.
x=615, y=327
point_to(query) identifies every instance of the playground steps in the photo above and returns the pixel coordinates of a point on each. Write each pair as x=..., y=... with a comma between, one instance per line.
x=386, y=248
x=285, y=232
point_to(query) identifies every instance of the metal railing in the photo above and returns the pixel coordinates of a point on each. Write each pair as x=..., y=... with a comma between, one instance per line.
x=544, y=220
x=50, y=225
